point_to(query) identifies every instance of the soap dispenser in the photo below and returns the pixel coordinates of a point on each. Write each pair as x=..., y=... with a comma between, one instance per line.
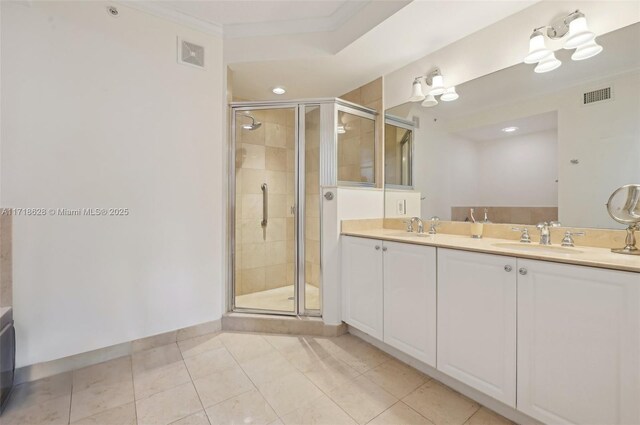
x=476, y=228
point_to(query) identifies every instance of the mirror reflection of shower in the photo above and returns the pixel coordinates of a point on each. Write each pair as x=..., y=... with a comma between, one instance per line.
x=254, y=125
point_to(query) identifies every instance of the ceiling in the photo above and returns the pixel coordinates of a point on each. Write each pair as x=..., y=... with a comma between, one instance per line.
x=326, y=64
x=244, y=12
x=526, y=125
x=325, y=48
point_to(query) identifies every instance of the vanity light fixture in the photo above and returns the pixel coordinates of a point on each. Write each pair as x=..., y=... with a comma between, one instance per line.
x=341, y=129
x=510, y=129
x=416, y=92
x=429, y=101
x=574, y=26
x=548, y=64
x=537, y=48
x=449, y=94
x=435, y=81
x=579, y=34
x=586, y=51
x=278, y=90
x=437, y=84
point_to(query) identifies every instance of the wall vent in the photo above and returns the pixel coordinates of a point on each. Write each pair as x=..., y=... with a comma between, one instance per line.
x=190, y=53
x=596, y=96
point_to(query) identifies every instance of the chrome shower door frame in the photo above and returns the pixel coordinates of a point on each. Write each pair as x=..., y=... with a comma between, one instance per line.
x=299, y=211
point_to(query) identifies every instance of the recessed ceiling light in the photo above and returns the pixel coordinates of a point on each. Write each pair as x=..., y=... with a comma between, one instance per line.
x=278, y=90
x=510, y=129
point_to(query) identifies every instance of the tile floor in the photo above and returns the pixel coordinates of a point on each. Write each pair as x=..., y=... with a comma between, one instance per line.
x=278, y=299
x=240, y=378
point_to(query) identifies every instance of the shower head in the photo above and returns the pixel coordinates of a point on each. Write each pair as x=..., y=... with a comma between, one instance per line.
x=254, y=124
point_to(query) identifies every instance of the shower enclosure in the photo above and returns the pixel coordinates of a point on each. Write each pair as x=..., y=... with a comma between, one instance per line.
x=282, y=153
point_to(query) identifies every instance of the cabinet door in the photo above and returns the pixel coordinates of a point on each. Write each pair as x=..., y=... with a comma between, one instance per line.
x=410, y=299
x=362, y=284
x=578, y=344
x=477, y=321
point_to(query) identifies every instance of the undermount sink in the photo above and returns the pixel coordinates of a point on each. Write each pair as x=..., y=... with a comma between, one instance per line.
x=538, y=248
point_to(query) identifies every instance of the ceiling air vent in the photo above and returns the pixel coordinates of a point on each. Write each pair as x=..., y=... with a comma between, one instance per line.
x=596, y=96
x=190, y=53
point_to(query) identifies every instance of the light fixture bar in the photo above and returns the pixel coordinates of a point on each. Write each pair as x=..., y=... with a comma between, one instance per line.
x=574, y=26
x=560, y=27
x=435, y=82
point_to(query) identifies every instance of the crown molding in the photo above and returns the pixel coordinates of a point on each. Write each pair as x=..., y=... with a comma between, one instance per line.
x=160, y=11
x=298, y=26
x=260, y=29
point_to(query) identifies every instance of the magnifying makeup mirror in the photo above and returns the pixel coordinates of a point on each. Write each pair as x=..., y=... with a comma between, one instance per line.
x=624, y=207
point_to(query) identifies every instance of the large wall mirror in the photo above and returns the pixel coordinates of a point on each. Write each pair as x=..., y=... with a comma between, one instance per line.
x=526, y=147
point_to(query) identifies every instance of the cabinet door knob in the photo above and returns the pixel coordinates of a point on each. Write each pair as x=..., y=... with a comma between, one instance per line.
x=522, y=271
x=507, y=268
x=377, y=247
x=384, y=248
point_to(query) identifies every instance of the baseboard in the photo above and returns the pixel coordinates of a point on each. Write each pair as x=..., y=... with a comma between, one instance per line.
x=295, y=325
x=501, y=408
x=78, y=361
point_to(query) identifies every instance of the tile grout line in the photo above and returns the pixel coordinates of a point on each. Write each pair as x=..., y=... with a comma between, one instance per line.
x=325, y=392
x=213, y=373
x=474, y=412
x=251, y=380
x=70, y=398
x=96, y=383
x=194, y=387
x=133, y=384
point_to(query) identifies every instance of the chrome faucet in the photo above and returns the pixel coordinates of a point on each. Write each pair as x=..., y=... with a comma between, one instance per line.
x=568, y=238
x=524, y=236
x=410, y=222
x=545, y=233
x=420, y=224
x=434, y=223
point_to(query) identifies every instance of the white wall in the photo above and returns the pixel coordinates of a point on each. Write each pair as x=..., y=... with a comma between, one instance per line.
x=96, y=112
x=410, y=200
x=359, y=203
x=605, y=139
x=519, y=171
x=505, y=43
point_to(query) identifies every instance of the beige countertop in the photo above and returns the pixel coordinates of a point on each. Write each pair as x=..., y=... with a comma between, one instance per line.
x=580, y=255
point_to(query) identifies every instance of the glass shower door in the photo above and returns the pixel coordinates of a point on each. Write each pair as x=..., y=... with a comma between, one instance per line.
x=311, y=299
x=265, y=243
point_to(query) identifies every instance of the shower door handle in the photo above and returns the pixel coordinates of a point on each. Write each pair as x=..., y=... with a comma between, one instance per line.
x=265, y=204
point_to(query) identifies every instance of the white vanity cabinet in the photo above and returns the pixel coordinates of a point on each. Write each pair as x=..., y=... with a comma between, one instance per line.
x=410, y=299
x=578, y=344
x=576, y=358
x=477, y=321
x=362, y=284
x=389, y=292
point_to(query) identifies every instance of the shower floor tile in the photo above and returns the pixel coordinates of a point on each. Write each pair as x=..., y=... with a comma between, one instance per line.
x=278, y=299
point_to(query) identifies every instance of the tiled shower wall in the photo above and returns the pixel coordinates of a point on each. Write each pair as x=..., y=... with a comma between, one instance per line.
x=392, y=154
x=369, y=95
x=265, y=255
